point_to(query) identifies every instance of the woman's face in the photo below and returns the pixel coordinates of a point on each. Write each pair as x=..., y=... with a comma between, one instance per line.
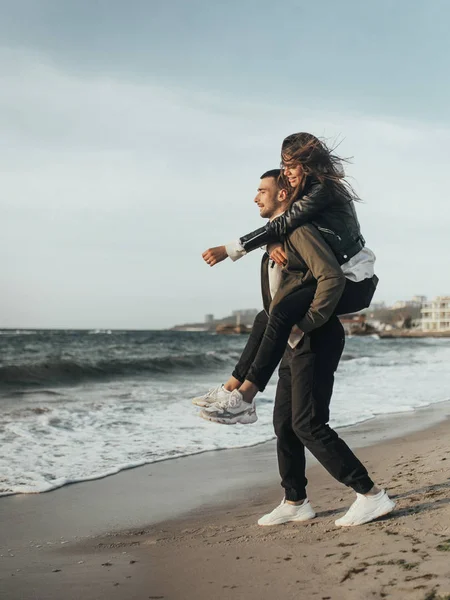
x=293, y=171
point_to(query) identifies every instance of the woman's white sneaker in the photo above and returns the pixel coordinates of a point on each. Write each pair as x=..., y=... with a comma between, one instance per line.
x=365, y=509
x=213, y=395
x=285, y=512
x=233, y=409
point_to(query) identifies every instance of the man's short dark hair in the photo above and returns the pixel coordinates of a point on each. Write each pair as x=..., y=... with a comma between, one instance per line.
x=276, y=174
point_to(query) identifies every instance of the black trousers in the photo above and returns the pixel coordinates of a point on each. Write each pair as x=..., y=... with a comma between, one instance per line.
x=301, y=414
x=269, y=335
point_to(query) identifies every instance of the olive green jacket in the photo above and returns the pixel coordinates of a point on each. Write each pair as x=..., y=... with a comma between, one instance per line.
x=310, y=262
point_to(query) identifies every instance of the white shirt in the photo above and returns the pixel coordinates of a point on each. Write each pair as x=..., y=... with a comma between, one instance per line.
x=274, y=284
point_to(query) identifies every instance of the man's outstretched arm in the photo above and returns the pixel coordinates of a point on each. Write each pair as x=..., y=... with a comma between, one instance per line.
x=234, y=250
x=215, y=255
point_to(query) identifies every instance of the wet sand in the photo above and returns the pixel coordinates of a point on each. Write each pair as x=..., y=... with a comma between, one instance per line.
x=186, y=528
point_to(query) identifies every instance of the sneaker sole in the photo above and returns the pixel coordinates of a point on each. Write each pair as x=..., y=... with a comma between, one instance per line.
x=243, y=420
x=280, y=521
x=376, y=514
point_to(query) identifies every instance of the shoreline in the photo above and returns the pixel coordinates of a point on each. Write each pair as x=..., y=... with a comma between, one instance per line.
x=385, y=416
x=398, y=334
x=254, y=464
x=136, y=528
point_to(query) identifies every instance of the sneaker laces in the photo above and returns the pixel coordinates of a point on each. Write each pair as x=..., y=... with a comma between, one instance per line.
x=210, y=392
x=354, y=506
x=232, y=401
x=282, y=503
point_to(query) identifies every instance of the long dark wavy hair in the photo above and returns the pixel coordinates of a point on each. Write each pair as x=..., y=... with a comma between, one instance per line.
x=319, y=162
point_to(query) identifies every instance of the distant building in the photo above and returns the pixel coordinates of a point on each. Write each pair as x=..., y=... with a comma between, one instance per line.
x=399, y=304
x=353, y=323
x=245, y=313
x=418, y=300
x=377, y=306
x=436, y=314
x=244, y=316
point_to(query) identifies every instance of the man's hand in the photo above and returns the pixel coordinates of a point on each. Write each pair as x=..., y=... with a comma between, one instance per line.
x=277, y=254
x=215, y=255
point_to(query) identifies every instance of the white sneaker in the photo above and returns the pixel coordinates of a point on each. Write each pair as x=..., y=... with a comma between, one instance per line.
x=231, y=410
x=286, y=512
x=365, y=509
x=213, y=395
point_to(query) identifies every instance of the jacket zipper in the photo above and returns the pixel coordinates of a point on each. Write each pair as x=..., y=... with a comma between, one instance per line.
x=329, y=231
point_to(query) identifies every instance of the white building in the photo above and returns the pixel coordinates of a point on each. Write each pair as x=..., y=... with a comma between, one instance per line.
x=399, y=304
x=245, y=316
x=436, y=314
x=418, y=300
x=377, y=306
x=245, y=313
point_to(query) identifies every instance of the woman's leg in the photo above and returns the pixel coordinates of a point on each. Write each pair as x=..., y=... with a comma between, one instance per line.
x=356, y=295
x=286, y=313
x=248, y=354
x=283, y=317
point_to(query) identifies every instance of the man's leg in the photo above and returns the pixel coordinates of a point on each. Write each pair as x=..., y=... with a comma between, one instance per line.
x=312, y=368
x=291, y=456
x=290, y=450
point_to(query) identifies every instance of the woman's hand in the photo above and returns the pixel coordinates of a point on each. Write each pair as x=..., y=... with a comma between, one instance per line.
x=277, y=253
x=212, y=256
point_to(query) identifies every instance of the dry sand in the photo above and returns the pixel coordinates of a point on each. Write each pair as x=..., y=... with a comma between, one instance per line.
x=218, y=551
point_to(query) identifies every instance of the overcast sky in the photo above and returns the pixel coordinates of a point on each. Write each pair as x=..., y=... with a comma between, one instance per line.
x=133, y=135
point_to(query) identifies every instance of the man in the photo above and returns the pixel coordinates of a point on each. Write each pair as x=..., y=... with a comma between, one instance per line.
x=301, y=411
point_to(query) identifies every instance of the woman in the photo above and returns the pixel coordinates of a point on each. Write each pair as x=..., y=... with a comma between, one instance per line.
x=321, y=196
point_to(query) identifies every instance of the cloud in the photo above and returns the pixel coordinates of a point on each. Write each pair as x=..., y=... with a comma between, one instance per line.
x=112, y=188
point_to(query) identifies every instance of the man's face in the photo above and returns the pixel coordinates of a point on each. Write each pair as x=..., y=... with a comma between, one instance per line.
x=293, y=172
x=267, y=197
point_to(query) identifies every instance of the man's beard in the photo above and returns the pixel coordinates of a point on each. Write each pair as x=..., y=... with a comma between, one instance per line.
x=266, y=214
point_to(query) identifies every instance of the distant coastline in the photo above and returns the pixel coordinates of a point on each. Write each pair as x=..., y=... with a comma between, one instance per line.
x=414, y=318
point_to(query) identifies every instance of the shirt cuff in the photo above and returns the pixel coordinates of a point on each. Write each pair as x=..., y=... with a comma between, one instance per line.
x=235, y=250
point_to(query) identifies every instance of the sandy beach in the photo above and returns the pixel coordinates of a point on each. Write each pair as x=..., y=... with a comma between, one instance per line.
x=186, y=529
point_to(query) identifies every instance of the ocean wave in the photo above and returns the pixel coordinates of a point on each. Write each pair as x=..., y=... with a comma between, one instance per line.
x=17, y=332
x=61, y=371
x=41, y=392
x=351, y=357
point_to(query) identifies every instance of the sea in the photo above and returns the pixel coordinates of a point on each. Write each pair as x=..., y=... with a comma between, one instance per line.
x=80, y=405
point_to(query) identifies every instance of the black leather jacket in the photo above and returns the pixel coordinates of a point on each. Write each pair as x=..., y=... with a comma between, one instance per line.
x=332, y=213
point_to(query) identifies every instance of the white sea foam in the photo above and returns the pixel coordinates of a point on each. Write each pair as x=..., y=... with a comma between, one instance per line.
x=89, y=431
